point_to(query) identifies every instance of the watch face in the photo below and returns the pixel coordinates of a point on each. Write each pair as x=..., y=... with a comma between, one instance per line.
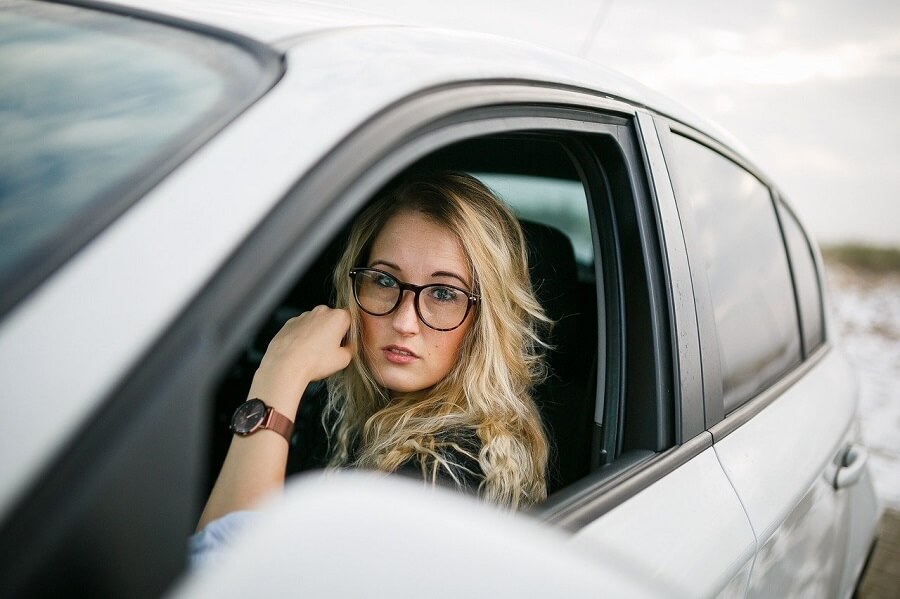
x=248, y=416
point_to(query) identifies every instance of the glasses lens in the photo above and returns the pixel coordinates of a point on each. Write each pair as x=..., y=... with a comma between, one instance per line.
x=377, y=293
x=443, y=307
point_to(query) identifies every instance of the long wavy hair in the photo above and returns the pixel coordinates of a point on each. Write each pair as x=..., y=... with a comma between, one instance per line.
x=488, y=392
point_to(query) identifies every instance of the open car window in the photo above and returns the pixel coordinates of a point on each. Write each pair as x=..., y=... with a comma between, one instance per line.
x=576, y=260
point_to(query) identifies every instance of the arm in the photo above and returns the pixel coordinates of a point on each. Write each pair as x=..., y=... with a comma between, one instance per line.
x=307, y=348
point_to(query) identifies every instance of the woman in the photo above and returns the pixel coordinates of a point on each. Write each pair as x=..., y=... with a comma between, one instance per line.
x=430, y=357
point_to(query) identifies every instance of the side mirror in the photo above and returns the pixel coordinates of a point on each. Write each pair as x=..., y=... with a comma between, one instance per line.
x=354, y=534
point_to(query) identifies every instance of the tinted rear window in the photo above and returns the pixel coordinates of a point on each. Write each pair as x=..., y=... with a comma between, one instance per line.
x=747, y=269
x=92, y=105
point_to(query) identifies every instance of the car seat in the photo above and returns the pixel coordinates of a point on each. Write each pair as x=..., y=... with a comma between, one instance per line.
x=565, y=399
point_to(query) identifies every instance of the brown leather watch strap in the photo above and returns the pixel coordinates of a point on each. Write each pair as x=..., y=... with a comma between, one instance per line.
x=279, y=423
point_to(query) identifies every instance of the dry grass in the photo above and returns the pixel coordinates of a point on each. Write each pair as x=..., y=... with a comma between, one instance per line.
x=875, y=259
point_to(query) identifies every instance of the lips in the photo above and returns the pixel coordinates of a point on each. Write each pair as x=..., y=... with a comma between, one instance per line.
x=398, y=354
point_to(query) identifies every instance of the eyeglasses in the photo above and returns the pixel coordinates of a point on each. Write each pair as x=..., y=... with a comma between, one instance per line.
x=441, y=307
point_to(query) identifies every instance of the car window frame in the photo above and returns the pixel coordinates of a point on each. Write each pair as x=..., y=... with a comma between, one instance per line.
x=397, y=138
x=718, y=423
x=784, y=210
x=584, y=501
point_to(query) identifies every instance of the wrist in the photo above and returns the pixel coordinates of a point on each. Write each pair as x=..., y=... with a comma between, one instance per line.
x=282, y=395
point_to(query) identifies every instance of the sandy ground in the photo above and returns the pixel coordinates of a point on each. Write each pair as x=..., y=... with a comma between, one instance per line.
x=867, y=309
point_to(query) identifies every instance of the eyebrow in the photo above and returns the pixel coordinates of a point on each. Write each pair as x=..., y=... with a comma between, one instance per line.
x=439, y=273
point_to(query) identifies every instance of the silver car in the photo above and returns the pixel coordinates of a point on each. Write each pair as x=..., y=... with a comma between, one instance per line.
x=172, y=188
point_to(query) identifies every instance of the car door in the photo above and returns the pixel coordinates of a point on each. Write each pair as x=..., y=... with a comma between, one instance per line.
x=780, y=396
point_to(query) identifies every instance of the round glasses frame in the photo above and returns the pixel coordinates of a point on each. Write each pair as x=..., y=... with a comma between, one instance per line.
x=416, y=290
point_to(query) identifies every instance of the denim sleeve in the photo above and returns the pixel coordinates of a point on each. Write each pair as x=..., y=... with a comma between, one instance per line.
x=205, y=546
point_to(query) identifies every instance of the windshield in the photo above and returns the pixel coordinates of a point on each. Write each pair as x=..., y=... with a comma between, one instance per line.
x=93, y=106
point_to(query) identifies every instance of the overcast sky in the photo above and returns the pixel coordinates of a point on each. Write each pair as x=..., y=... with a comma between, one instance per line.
x=811, y=87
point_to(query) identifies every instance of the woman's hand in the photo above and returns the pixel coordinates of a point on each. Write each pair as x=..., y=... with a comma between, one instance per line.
x=307, y=348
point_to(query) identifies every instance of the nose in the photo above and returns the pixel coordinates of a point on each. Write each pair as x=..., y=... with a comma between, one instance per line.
x=405, y=320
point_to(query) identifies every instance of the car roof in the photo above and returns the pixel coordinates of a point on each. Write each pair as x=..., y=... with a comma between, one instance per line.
x=445, y=54
x=267, y=21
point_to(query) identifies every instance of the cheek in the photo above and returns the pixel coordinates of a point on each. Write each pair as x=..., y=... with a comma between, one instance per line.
x=368, y=330
x=446, y=346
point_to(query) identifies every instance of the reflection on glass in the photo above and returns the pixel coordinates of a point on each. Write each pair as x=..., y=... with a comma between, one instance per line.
x=89, y=102
x=749, y=280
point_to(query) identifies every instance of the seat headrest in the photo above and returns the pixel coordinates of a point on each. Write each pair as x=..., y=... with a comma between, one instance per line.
x=554, y=277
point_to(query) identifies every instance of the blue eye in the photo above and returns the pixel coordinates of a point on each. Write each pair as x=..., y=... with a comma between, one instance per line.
x=385, y=281
x=444, y=294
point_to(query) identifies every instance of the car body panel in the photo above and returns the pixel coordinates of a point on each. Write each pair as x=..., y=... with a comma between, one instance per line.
x=861, y=519
x=569, y=31
x=689, y=527
x=780, y=462
x=269, y=21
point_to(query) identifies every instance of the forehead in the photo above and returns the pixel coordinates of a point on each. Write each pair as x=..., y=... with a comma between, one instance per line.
x=419, y=246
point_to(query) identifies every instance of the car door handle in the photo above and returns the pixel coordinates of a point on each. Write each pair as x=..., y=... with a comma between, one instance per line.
x=852, y=466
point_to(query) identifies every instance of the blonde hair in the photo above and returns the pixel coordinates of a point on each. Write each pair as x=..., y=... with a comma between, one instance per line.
x=488, y=392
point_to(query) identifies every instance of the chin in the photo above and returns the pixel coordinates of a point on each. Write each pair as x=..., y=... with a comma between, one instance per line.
x=398, y=383
x=403, y=386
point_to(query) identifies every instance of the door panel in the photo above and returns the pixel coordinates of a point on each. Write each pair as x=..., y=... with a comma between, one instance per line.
x=860, y=516
x=801, y=558
x=687, y=531
x=780, y=463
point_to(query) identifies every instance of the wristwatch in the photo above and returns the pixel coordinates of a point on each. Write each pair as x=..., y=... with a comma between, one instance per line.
x=254, y=415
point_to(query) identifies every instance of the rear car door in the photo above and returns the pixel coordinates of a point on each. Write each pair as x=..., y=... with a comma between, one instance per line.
x=780, y=397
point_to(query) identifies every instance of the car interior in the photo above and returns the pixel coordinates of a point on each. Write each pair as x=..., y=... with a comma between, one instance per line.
x=562, y=248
